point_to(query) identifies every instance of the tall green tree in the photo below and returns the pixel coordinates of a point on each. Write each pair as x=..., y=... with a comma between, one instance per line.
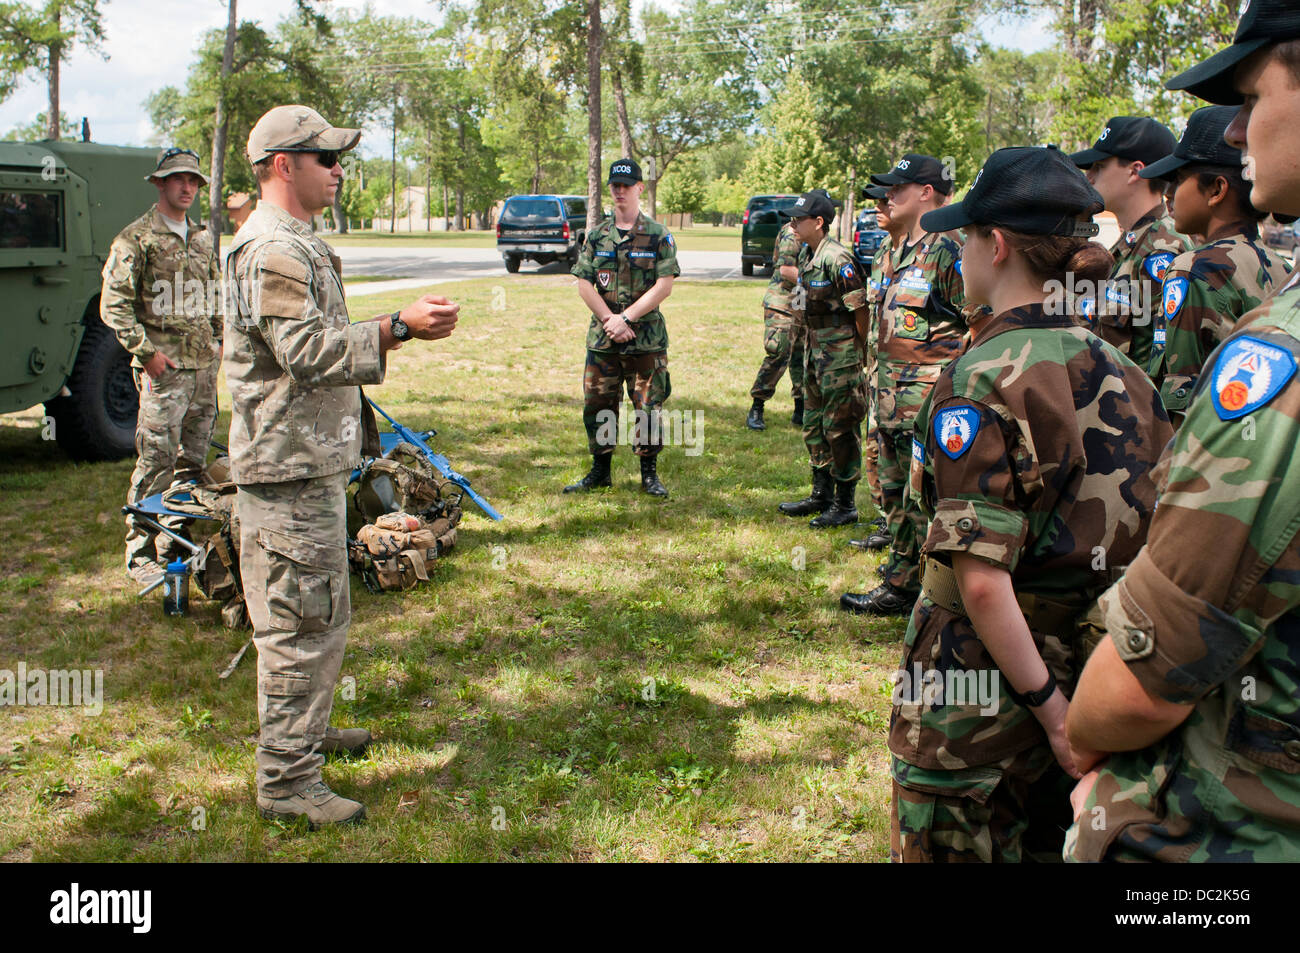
x=37, y=39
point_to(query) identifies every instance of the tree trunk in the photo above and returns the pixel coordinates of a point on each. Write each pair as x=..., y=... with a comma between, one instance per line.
x=461, y=224
x=52, y=130
x=652, y=187
x=220, y=130
x=340, y=220
x=428, y=185
x=620, y=107
x=446, y=207
x=593, y=114
x=392, y=225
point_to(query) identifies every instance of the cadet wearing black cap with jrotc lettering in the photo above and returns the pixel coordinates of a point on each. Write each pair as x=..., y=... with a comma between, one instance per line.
x=625, y=270
x=921, y=329
x=832, y=301
x=1127, y=312
x=1207, y=289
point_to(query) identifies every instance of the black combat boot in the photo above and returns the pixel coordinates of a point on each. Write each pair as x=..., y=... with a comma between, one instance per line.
x=755, y=419
x=843, y=512
x=878, y=538
x=650, y=482
x=598, y=475
x=885, y=599
x=818, y=501
x=797, y=417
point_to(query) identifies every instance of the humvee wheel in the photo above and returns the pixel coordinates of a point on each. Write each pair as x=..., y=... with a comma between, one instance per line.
x=98, y=421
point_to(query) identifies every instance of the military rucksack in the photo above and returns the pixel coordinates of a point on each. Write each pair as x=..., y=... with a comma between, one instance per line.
x=404, y=516
x=216, y=572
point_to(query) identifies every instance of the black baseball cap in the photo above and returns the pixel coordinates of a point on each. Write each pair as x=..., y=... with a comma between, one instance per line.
x=625, y=171
x=811, y=204
x=876, y=192
x=1262, y=23
x=919, y=168
x=1024, y=189
x=1135, y=138
x=1202, y=142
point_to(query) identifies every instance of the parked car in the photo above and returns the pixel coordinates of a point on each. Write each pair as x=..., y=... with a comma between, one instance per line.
x=541, y=228
x=758, y=228
x=867, y=239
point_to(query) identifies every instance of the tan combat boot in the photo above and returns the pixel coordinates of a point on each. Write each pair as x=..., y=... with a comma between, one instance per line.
x=352, y=741
x=316, y=802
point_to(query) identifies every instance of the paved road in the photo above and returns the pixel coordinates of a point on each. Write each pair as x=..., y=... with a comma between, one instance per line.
x=414, y=267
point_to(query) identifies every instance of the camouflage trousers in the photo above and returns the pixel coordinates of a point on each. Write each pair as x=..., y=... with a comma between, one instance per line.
x=646, y=378
x=294, y=564
x=871, y=445
x=907, y=524
x=1010, y=812
x=835, y=400
x=784, y=346
x=172, y=433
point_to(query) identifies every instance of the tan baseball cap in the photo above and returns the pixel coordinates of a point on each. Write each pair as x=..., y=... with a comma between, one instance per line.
x=297, y=129
x=173, y=160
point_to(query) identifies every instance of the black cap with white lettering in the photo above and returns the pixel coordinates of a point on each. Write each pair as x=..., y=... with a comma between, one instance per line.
x=1262, y=23
x=1202, y=143
x=811, y=205
x=625, y=171
x=918, y=168
x=1135, y=138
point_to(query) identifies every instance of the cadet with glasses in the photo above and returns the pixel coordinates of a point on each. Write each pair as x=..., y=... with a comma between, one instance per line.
x=1033, y=453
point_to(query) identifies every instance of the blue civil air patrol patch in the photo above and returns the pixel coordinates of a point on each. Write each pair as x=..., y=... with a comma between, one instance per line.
x=847, y=272
x=640, y=254
x=958, y=264
x=1175, y=295
x=668, y=238
x=818, y=284
x=955, y=429
x=601, y=253
x=1248, y=374
x=1157, y=264
x=1087, y=309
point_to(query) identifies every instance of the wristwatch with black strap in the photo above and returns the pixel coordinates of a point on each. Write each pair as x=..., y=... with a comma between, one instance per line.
x=401, y=330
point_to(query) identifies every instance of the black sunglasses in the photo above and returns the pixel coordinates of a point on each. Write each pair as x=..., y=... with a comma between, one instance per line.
x=174, y=151
x=329, y=158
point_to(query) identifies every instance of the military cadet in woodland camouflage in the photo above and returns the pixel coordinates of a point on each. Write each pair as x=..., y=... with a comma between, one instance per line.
x=1194, y=698
x=782, y=342
x=1033, y=456
x=298, y=425
x=921, y=329
x=1207, y=289
x=161, y=298
x=1127, y=312
x=832, y=303
x=625, y=271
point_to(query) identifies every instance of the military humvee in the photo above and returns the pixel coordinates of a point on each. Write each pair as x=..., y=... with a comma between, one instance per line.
x=61, y=205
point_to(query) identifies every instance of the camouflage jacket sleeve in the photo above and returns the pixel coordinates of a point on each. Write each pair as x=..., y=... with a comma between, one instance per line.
x=585, y=266
x=123, y=272
x=292, y=325
x=666, y=264
x=1222, y=561
x=786, y=254
x=975, y=508
x=848, y=283
x=948, y=283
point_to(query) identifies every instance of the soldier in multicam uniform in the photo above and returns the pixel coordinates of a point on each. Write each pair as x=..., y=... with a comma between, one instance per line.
x=298, y=425
x=161, y=298
x=1128, y=312
x=879, y=537
x=831, y=302
x=782, y=342
x=1194, y=698
x=625, y=271
x=921, y=329
x=1207, y=289
x=1028, y=475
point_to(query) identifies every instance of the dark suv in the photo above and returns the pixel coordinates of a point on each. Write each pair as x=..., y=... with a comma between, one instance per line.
x=866, y=239
x=542, y=228
x=758, y=230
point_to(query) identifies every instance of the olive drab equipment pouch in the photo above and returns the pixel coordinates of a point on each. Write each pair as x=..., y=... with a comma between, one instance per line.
x=405, y=517
x=217, y=570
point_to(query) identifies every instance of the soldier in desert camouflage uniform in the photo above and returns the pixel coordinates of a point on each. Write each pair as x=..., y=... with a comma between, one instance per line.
x=1194, y=698
x=298, y=425
x=1128, y=313
x=1033, y=455
x=921, y=329
x=161, y=298
x=782, y=342
x=625, y=270
x=1207, y=289
x=831, y=303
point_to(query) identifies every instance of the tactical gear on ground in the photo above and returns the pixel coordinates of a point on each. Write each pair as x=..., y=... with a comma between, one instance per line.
x=316, y=802
x=818, y=501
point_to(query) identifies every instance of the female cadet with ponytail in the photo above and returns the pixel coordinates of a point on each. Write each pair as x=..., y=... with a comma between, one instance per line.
x=1032, y=457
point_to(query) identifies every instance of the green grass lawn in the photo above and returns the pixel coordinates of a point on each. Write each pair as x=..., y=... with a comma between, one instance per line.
x=605, y=677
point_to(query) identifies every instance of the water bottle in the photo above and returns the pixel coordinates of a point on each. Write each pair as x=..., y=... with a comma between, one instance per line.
x=176, y=588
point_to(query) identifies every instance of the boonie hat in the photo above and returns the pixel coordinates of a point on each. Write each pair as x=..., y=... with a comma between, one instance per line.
x=1025, y=189
x=625, y=171
x=297, y=129
x=173, y=160
x=1135, y=138
x=919, y=168
x=1262, y=22
x=811, y=204
x=1202, y=142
